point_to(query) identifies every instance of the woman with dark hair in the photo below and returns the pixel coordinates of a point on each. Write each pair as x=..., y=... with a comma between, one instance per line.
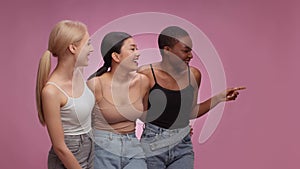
x=173, y=102
x=120, y=93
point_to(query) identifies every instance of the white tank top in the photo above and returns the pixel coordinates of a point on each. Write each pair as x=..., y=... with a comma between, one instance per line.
x=76, y=113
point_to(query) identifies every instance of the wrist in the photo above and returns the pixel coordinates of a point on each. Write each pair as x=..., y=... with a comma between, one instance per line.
x=217, y=99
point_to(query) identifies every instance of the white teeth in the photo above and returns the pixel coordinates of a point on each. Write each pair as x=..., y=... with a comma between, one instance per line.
x=135, y=61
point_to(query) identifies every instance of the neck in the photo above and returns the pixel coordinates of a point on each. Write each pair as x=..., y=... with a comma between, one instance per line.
x=66, y=69
x=167, y=66
x=121, y=74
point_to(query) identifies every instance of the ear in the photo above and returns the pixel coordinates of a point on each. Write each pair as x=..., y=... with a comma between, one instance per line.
x=167, y=49
x=72, y=48
x=116, y=57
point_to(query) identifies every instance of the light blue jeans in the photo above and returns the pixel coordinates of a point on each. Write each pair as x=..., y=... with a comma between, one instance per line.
x=167, y=149
x=118, y=151
x=82, y=148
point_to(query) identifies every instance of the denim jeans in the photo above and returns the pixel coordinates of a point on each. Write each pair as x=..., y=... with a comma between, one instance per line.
x=82, y=148
x=172, y=148
x=116, y=151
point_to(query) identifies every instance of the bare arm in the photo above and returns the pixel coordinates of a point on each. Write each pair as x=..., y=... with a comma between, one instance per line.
x=204, y=107
x=148, y=81
x=51, y=108
x=146, y=88
x=227, y=95
x=95, y=87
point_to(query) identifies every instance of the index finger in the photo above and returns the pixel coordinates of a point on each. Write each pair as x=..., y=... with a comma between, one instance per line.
x=240, y=88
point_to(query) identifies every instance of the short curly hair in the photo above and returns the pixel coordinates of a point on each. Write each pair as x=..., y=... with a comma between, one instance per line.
x=169, y=37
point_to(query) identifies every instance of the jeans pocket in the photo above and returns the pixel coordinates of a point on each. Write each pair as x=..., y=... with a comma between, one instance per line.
x=53, y=160
x=74, y=145
x=103, y=142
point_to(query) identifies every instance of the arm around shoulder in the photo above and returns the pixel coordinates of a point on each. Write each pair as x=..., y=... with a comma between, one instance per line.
x=145, y=90
x=96, y=87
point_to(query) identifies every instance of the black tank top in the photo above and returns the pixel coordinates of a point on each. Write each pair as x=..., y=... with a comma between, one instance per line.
x=170, y=109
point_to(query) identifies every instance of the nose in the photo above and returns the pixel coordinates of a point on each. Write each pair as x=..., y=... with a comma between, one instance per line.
x=92, y=48
x=137, y=54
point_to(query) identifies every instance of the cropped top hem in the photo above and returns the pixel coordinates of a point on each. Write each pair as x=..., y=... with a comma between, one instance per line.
x=78, y=133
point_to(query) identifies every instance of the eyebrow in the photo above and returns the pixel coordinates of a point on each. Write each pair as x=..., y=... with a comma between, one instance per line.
x=189, y=48
x=134, y=45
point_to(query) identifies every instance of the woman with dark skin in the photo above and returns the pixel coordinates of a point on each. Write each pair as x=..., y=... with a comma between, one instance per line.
x=173, y=102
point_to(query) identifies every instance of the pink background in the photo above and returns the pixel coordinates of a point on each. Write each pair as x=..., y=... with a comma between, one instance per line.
x=258, y=43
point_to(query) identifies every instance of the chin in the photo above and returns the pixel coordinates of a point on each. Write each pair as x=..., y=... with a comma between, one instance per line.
x=134, y=68
x=84, y=65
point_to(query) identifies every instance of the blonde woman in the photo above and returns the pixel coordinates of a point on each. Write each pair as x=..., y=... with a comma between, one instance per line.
x=64, y=101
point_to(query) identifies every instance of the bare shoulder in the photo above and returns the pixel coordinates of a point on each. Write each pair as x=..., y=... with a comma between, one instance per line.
x=196, y=75
x=144, y=82
x=144, y=69
x=95, y=84
x=92, y=83
x=144, y=78
x=50, y=92
x=196, y=72
x=51, y=95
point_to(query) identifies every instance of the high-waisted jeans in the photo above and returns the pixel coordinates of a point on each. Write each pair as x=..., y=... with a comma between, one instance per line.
x=82, y=148
x=167, y=149
x=116, y=151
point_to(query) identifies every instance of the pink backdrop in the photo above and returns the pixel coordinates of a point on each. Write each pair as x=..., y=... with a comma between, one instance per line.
x=257, y=41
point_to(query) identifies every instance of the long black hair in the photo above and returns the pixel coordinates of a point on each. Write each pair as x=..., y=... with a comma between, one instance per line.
x=112, y=42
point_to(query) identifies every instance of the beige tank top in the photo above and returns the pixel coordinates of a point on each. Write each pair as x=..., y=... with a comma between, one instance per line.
x=116, y=118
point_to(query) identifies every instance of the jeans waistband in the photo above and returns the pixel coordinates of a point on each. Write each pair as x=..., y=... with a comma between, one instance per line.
x=79, y=137
x=160, y=130
x=174, y=136
x=111, y=135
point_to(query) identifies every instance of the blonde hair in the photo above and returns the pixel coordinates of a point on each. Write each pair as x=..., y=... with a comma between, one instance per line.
x=63, y=34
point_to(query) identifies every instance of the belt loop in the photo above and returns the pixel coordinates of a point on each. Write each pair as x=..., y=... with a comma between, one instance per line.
x=161, y=130
x=90, y=136
x=128, y=136
x=110, y=136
